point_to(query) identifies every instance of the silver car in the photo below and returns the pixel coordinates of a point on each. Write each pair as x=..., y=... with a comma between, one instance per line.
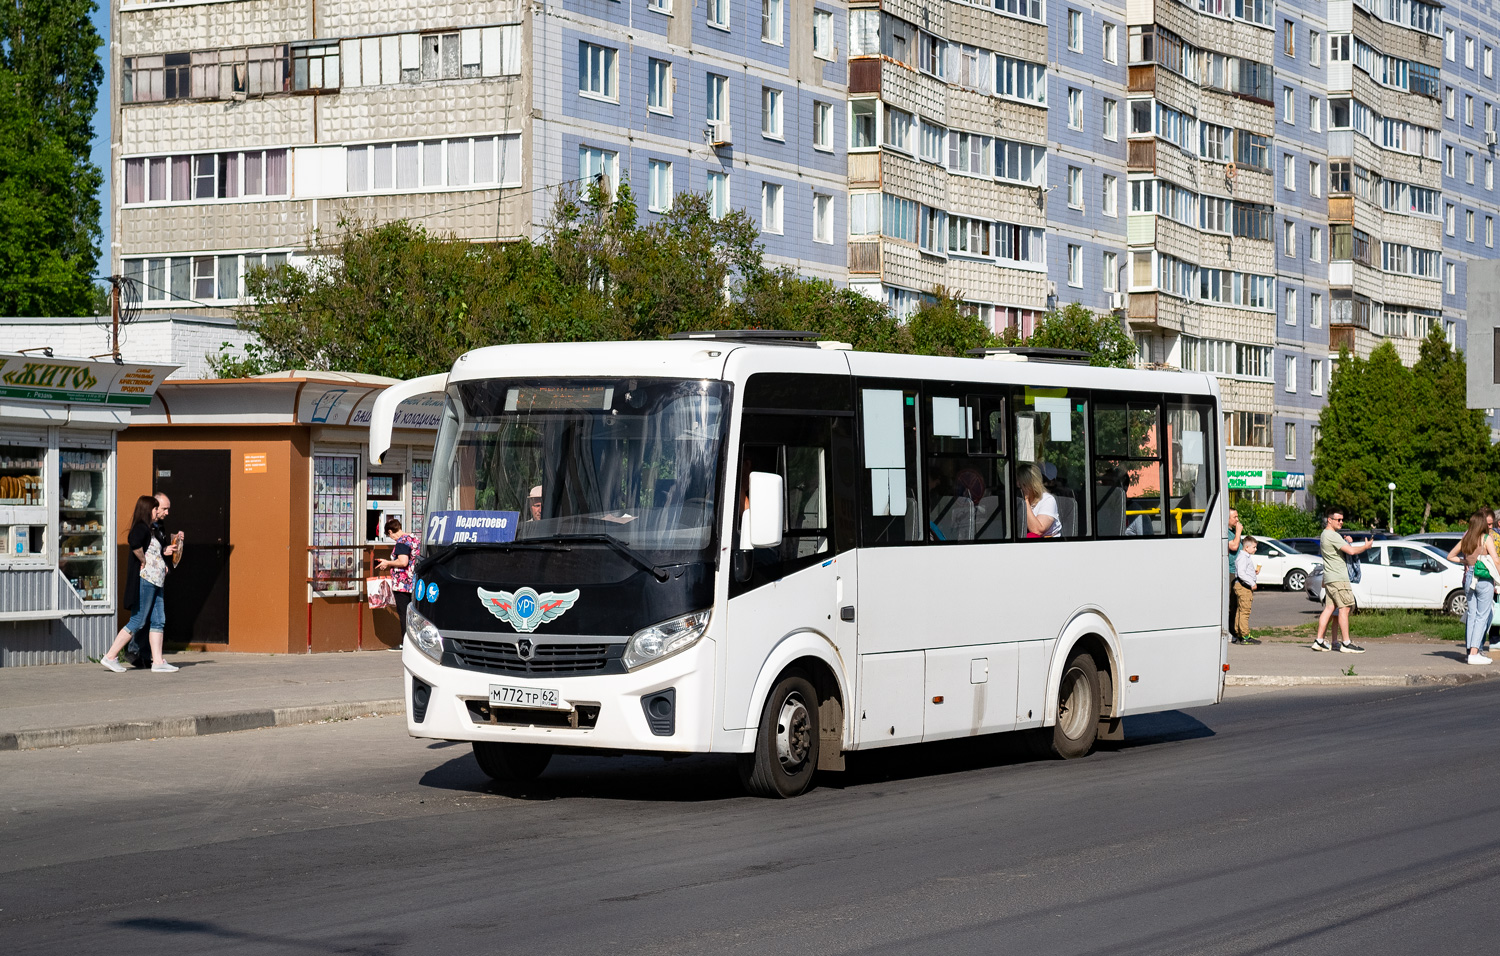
x=1401, y=573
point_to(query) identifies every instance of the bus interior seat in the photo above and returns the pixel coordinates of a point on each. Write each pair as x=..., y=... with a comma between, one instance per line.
x=1067, y=511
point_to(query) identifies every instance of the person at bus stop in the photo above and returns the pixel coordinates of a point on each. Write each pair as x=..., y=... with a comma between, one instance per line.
x=1337, y=592
x=1244, y=590
x=1477, y=554
x=402, y=564
x=1236, y=532
x=1042, y=518
x=150, y=548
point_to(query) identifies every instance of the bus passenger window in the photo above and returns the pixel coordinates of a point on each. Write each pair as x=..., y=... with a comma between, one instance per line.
x=1127, y=469
x=965, y=474
x=888, y=430
x=1051, y=435
x=1192, y=470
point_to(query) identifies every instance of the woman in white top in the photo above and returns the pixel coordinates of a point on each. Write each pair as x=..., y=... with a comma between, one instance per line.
x=1042, y=520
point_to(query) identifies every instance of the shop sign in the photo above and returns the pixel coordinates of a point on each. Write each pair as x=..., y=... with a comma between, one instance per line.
x=472, y=527
x=40, y=379
x=255, y=462
x=351, y=406
x=419, y=412
x=1249, y=480
x=1288, y=480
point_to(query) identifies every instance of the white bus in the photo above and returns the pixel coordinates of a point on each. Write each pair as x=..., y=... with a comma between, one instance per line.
x=756, y=544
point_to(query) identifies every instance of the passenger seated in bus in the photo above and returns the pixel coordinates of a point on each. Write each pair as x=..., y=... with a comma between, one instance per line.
x=1067, y=503
x=1110, y=519
x=1039, y=505
x=958, y=515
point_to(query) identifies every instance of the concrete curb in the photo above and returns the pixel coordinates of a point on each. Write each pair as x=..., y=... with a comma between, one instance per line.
x=198, y=726
x=1374, y=680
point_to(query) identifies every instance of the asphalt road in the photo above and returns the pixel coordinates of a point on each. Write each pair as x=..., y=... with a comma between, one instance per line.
x=1274, y=607
x=1356, y=822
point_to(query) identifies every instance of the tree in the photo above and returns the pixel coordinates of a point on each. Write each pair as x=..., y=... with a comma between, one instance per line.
x=1103, y=335
x=49, y=206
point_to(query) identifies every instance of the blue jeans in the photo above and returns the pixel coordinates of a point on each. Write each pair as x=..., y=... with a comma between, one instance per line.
x=151, y=607
x=1481, y=597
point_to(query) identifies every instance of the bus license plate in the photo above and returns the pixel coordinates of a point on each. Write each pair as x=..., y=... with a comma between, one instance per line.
x=523, y=696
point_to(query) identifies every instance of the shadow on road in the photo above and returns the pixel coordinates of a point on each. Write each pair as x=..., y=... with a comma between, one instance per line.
x=207, y=931
x=704, y=777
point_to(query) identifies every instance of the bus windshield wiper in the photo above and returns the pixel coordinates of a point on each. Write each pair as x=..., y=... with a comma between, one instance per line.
x=623, y=549
x=470, y=547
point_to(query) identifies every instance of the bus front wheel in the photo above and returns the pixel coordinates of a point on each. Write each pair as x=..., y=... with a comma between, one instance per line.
x=1077, y=724
x=512, y=762
x=786, y=744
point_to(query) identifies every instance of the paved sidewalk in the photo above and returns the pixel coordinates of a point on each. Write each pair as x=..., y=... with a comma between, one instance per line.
x=70, y=704
x=1388, y=661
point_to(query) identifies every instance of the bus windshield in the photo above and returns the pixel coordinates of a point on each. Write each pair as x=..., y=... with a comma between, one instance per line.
x=531, y=459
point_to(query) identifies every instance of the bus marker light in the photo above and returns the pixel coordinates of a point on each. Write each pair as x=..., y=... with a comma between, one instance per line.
x=938, y=699
x=1226, y=668
x=1135, y=678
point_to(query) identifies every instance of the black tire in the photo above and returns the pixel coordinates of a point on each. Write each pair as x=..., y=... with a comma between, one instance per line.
x=1295, y=580
x=512, y=762
x=1456, y=604
x=1078, y=707
x=786, y=744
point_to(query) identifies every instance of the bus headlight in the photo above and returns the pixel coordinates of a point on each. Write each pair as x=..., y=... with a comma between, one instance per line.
x=664, y=639
x=423, y=635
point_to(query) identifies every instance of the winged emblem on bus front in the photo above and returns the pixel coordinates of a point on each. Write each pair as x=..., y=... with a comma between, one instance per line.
x=525, y=609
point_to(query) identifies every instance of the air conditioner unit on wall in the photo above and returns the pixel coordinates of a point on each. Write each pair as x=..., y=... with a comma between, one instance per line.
x=1489, y=137
x=1119, y=300
x=719, y=133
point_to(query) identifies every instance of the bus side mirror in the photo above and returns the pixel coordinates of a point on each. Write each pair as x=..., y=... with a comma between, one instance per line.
x=767, y=517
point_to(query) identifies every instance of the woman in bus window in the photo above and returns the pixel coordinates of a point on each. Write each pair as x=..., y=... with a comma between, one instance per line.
x=1042, y=520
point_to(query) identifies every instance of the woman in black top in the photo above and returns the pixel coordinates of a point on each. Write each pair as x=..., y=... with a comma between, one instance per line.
x=149, y=546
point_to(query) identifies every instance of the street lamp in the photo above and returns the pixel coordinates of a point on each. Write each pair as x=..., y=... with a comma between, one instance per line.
x=1390, y=519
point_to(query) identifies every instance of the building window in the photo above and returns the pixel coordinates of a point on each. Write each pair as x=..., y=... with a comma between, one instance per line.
x=770, y=208
x=1315, y=244
x=660, y=6
x=660, y=199
x=862, y=124
x=1315, y=310
x=1291, y=306
x=1111, y=119
x=1315, y=179
x=1450, y=46
x=1075, y=31
x=770, y=21
x=1489, y=62
x=1314, y=47
x=1289, y=105
x=1289, y=38
x=317, y=67
x=1468, y=110
x=770, y=112
x=599, y=167
x=823, y=34
x=1469, y=224
x=1290, y=367
x=1288, y=172
x=1110, y=269
x=1315, y=376
x=718, y=195
x=718, y=14
x=1111, y=195
x=659, y=88
x=1075, y=187
x=1111, y=50
x=1315, y=114
x=1489, y=174
x=1450, y=216
x=1288, y=238
x=1075, y=108
x=1448, y=101
x=1469, y=168
x=1450, y=278
x=898, y=134
x=822, y=125
x=596, y=70
x=1075, y=265
x=718, y=95
x=1291, y=439
x=822, y=217
x=1469, y=52
x=1448, y=161
x=187, y=178
x=1489, y=231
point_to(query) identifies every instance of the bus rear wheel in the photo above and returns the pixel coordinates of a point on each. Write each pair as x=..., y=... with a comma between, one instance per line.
x=786, y=743
x=512, y=762
x=1078, y=706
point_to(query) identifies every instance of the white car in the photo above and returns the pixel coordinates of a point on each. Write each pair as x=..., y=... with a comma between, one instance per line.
x=1399, y=573
x=1280, y=565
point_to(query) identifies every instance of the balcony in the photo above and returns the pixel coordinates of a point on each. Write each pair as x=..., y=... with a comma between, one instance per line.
x=1141, y=154
x=864, y=75
x=1340, y=208
x=864, y=258
x=1142, y=79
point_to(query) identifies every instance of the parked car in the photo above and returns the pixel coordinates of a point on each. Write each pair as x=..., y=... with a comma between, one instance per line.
x=1444, y=541
x=1303, y=545
x=1402, y=574
x=1280, y=565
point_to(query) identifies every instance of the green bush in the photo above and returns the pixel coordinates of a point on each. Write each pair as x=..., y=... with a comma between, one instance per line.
x=1278, y=520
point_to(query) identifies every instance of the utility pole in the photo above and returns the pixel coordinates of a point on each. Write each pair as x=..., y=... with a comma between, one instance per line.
x=114, y=310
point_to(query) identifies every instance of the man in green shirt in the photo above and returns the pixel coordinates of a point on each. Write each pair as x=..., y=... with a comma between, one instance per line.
x=1337, y=594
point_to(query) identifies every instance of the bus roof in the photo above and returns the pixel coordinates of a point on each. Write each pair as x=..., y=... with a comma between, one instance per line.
x=711, y=359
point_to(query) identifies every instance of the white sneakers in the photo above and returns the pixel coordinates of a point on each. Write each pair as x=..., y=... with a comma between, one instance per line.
x=162, y=668
x=1479, y=659
x=113, y=663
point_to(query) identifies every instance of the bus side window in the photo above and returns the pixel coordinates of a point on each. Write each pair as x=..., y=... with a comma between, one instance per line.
x=965, y=472
x=888, y=438
x=1127, y=468
x=800, y=450
x=1051, y=435
x=1192, y=470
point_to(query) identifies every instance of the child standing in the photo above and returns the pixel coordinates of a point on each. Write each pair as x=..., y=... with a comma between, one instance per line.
x=1244, y=590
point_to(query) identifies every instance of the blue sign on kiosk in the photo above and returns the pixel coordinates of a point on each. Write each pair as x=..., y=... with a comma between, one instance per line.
x=472, y=527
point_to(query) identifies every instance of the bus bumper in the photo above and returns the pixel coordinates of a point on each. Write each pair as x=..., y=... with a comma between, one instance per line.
x=458, y=698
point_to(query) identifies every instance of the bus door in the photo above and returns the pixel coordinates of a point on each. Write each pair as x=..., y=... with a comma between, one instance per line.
x=800, y=427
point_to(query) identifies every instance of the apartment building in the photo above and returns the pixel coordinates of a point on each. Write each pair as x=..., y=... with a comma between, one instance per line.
x=1254, y=184
x=246, y=131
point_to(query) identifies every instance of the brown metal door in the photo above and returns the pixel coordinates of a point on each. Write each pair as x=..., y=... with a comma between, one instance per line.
x=197, y=592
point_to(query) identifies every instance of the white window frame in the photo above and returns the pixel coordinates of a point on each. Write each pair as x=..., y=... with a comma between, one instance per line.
x=770, y=113
x=660, y=6
x=718, y=193
x=1075, y=187
x=1315, y=310
x=771, y=26
x=1315, y=377
x=660, y=197
x=822, y=214
x=718, y=14
x=1110, y=191
x=1075, y=31
x=1075, y=266
x=1075, y=108
x=1110, y=34
x=1289, y=106
x=1110, y=264
x=1290, y=439
x=1315, y=114
x=823, y=34
x=772, y=196
x=1289, y=172
x=1289, y=303
x=598, y=78
x=1315, y=179
x=1289, y=373
x=1314, y=244
x=659, y=86
x=1110, y=121
x=822, y=126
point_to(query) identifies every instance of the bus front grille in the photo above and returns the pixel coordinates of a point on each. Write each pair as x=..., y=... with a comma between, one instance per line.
x=502, y=657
